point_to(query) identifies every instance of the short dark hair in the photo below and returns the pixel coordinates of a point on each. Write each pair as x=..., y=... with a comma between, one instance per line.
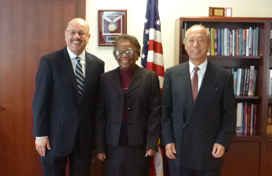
x=131, y=39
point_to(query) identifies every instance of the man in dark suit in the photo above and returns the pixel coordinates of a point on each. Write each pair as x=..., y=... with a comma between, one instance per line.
x=63, y=105
x=198, y=120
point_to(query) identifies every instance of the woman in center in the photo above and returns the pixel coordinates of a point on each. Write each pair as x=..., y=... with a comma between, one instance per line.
x=128, y=117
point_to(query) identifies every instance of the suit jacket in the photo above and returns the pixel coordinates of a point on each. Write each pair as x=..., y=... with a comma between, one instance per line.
x=142, y=103
x=195, y=127
x=58, y=111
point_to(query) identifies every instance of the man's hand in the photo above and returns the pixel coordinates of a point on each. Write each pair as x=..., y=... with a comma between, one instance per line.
x=170, y=150
x=150, y=153
x=101, y=156
x=40, y=145
x=218, y=150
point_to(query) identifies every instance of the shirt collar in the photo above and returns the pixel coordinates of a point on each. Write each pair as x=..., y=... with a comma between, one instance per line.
x=202, y=67
x=72, y=55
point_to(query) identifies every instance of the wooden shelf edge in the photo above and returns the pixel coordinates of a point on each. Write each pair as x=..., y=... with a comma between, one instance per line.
x=246, y=138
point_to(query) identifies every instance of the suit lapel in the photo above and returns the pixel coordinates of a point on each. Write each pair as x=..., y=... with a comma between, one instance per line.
x=88, y=72
x=116, y=82
x=136, y=79
x=207, y=87
x=68, y=68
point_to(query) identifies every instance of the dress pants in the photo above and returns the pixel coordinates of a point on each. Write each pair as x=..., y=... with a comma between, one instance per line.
x=176, y=171
x=78, y=164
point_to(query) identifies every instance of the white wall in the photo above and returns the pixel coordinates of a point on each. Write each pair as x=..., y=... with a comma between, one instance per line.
x=169, y=11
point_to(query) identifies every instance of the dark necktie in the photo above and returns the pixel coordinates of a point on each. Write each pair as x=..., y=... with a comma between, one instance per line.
x=79, y=77
x=194, y=83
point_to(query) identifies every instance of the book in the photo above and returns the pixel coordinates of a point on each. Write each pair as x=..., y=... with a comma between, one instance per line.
x=251, y=80
x=215, y=41
x=240, y=42
x=244, y=42
x=239, y=120
x=212, y=41
x=219, y=41
x=237, y=42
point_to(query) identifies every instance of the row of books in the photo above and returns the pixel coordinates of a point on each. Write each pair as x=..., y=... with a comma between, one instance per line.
x=234, y=42
x=246, y=118
x=244, y=81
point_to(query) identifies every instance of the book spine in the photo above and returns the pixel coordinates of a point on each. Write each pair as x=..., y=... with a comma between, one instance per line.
x=244, y=41
x=239, y=114
x=218, y=41
x=240, y=42
x=247, y=42
x=233, y=42
x=212, y=41
x=230, y=43
x=251, y=80
x=237, y=42
x=215, y=41
x=222, y=42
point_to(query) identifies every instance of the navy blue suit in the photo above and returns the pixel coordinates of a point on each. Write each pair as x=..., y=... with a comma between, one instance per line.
x=58, y=111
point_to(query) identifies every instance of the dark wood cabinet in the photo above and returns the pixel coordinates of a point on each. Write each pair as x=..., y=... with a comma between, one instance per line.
x=250, y=154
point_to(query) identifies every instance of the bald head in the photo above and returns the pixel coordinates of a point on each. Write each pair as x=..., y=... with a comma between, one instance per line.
x=197, y=27
x=79, y=21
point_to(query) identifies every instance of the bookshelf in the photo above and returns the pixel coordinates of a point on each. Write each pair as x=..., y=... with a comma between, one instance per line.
x=250, y=154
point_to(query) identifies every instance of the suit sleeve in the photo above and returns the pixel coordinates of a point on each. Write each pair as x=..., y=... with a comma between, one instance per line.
x=166, y=117
x=153, y=122
x=100, y=121
x=228, y=118
x=42, y=99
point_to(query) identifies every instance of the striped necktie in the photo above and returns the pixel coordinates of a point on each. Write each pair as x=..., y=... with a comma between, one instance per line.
x=79, y=77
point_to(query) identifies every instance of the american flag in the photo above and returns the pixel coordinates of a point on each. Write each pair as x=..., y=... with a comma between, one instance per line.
x=152, y=59
x=152, y=52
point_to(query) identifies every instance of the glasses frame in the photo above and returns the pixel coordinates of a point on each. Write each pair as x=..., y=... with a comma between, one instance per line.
x=79, y=33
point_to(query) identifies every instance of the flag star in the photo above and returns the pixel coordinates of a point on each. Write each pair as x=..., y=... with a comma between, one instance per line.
x=146, y=20
x=146, y=31
x=158, y=22
x=147, y=42
x=143, y=56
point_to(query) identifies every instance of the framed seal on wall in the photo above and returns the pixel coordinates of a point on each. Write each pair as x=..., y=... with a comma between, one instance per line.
x=111, y=23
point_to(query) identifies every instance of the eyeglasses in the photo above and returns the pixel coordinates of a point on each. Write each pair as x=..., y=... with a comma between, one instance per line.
x=80, y=33
x=120, y=53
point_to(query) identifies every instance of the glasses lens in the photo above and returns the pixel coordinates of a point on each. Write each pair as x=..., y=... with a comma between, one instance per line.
x=80, y=33
x=129, y=52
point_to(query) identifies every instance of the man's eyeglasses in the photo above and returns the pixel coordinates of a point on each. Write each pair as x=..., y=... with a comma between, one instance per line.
x=120, y=53
x=80, y=33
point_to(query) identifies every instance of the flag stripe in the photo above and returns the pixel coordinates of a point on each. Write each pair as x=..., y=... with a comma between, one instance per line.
x=155, y=46
x=157, y=68
x=157, y=58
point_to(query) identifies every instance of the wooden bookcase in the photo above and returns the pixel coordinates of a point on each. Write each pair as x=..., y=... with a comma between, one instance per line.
x=249, y=155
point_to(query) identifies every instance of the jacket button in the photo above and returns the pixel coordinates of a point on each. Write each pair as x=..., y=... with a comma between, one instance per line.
x=201, y=132
x=128, y=109
x=130, y=122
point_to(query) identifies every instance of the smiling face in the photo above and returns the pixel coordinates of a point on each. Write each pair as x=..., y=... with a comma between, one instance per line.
x=126, y=62
x=77, y=35
x=197, y=44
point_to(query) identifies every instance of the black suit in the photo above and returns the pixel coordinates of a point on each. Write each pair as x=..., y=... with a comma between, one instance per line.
x=195, y=127
x=142, y=103
x=58, y=111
